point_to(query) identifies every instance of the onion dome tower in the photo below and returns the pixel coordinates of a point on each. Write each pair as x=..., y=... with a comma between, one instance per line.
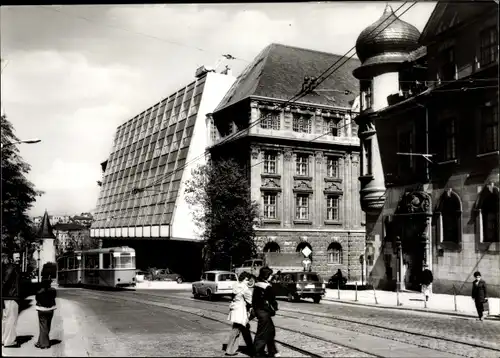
x=382, y=47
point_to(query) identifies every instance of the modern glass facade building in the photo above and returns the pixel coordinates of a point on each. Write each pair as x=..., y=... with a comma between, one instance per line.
x=142, y=192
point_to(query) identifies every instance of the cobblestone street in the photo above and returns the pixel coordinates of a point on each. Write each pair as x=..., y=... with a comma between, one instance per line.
x=172, y=323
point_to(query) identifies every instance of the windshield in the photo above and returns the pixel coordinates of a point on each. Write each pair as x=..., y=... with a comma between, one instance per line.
x=308, y=277
x=125, y=260
x=227, y=277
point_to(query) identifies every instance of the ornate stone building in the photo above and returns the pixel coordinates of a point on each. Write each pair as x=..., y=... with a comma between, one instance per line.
x=429, y=134
x=302, y=160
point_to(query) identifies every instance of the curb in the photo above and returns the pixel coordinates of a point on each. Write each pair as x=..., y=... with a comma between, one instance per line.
x=402, y=308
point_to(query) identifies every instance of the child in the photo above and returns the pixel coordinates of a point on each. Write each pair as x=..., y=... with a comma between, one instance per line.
x=45, y=305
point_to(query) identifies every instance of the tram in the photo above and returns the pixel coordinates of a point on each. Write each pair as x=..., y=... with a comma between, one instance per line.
x=110, y=267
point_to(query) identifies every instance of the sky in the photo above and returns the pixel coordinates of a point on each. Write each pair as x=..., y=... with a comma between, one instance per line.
x=72, y=74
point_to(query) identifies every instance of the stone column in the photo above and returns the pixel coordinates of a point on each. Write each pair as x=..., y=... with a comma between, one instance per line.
x=426, y=239
x=372, y=174
x=287, y=187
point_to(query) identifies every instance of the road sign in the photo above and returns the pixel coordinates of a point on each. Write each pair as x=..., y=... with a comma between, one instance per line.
x=306, y=251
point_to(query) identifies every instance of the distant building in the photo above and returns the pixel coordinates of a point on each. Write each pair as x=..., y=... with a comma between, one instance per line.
x=54, y=219
x=429, y=135
x=141, y=203
x=71, y=235
x=302, y=160
x=84, y=219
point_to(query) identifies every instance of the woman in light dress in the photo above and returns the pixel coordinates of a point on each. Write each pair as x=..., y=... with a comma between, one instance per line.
x=240, y=316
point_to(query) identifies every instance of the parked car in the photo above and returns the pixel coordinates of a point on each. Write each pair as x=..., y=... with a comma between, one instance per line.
x=337, y=281
x=166, y=275
x=214, y=284
x=297, y=285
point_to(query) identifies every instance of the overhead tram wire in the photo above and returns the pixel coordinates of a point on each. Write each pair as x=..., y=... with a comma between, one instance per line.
x=319, y=80
x=54, y=9
x=292, y=100
x=301, y=94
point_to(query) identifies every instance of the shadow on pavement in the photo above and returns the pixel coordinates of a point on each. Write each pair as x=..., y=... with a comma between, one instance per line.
x=25, y=304
x=23, y=339
x=53, y=342
x=241, y=349
x=103, y=288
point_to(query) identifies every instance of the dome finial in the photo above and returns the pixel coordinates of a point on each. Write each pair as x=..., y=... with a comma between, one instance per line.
x=388, y=9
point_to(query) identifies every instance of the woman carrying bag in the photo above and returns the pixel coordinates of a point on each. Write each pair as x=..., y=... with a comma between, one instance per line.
x=239, y=315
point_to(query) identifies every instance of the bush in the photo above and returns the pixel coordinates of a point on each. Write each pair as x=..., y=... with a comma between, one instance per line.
x=49, y=269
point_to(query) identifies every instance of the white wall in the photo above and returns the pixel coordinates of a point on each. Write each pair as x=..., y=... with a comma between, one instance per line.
x=216, y=86
x=47, y=252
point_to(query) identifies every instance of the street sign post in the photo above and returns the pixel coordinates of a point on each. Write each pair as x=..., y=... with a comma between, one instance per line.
x=306, y=251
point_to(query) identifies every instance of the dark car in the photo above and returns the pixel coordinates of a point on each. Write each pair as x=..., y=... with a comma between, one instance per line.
x=297, y=285
x=167, y=275
x=337, y=281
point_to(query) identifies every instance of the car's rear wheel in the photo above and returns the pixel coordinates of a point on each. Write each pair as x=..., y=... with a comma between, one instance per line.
x=179, y=280
x=317, y=299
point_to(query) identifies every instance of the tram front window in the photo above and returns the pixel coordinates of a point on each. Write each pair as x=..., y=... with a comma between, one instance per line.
x=124, y=261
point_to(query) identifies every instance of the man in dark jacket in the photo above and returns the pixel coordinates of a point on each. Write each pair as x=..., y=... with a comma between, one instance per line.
x=479, y=294
x=10, y=297
x=265, y=306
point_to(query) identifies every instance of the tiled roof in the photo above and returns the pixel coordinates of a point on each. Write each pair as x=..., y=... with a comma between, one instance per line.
x=45, y=230
x=278, y=72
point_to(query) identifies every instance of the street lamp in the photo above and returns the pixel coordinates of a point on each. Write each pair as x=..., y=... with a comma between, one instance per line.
x=26, y=141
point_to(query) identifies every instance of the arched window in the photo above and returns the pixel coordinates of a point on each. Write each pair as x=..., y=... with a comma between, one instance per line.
x=334, y=253
x=451, y=217
x=489, y=203
x=272, y=246
x=302, y=245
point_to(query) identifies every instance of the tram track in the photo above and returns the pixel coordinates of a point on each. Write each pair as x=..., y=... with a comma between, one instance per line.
x=461, y=348
x=323, y=347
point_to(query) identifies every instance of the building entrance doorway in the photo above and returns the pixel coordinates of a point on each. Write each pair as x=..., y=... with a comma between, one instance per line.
x=412, y=227
x=413, y=251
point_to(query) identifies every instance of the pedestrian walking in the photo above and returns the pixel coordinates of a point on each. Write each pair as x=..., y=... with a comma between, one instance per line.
x=426, y=282
x=240, y=316
x=10, y=301
x=45, y=305
x=265, y=307
x=480, y=295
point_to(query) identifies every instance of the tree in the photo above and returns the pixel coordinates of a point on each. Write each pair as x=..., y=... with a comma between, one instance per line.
x=219, y=195
x=76, y=240
x=18, y=193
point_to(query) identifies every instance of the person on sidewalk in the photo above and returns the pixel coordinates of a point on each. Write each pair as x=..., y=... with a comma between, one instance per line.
x=10, y=301
x=240, y=316
x=45, y=305
x=479, y=295
x=426, y=282
x=265, y=307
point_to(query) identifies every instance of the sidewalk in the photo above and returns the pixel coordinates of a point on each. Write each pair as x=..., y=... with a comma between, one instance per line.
x=65, y=334
x=438, y=303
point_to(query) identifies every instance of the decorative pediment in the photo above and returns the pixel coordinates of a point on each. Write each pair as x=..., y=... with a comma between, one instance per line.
x=287, y=155
x=270, y=183
x=333, y=188
x=302, y=185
